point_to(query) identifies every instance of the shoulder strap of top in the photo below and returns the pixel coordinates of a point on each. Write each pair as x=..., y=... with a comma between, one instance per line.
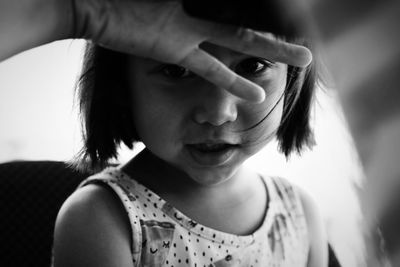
x=114, y=179
x=288, y=222
x=287, y=194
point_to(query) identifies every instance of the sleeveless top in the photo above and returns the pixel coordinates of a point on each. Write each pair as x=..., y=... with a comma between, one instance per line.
x=164, y=236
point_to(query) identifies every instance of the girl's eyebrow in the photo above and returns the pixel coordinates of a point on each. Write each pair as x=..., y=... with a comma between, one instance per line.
x=147, y=65
x=216, y=50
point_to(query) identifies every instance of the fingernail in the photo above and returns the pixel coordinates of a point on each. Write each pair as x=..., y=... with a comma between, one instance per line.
x=305, y=57
x=258, y=95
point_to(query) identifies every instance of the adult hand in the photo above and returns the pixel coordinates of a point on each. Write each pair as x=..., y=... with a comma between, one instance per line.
x=162, y=31
x=149, y=28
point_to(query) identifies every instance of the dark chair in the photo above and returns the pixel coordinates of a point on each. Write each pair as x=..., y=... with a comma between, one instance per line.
x=31, y=193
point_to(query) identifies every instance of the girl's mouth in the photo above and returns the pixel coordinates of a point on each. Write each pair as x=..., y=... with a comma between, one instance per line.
x=210, y=148
x=211, y=154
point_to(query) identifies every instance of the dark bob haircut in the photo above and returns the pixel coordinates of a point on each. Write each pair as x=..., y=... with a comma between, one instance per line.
x=106, y=115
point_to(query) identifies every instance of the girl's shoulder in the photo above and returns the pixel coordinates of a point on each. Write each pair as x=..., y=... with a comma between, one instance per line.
x=289, y=195
x=92, y=228
x=298, y=203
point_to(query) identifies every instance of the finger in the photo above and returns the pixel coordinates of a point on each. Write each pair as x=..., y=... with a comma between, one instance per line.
x=261, y=44
x=211, y=69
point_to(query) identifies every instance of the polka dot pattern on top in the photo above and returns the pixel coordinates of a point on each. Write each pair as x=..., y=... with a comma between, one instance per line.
x=164, y=236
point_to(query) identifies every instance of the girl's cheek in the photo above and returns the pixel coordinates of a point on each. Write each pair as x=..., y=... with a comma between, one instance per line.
x=273, y=82
x=267, y=115
x=274, y=90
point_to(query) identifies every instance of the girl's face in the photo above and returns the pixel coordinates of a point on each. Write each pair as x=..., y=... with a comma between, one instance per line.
x=201, y=129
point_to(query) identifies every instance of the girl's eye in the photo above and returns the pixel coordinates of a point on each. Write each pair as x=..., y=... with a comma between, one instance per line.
x=252, y=66
x=175, y=71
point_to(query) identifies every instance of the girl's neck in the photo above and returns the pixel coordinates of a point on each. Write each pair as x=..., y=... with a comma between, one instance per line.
x=163, y=178
x=242, y=198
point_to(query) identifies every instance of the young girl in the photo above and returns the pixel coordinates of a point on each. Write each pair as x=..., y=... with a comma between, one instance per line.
x=187, y=199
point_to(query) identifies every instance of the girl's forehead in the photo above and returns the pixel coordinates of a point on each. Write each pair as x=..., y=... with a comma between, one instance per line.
x=220, y=52
x=217, y=50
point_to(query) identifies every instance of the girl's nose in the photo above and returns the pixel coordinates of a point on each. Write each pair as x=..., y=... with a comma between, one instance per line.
x=216, y=107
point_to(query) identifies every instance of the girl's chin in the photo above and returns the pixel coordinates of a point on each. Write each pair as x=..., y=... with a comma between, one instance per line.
x=210, y=177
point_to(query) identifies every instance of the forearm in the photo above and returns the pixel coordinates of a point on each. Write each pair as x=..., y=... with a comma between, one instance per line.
x=25, y=24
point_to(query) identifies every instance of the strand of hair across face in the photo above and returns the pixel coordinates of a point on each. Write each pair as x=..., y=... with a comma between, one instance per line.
x=266, y=116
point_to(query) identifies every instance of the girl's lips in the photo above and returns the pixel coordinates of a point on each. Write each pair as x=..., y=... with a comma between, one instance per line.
x=211, y=154
x=211, y=147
